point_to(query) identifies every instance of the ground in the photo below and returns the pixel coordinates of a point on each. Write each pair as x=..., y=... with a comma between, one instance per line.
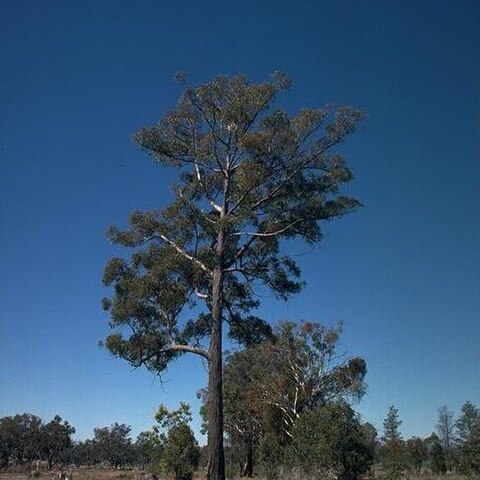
x=80, y=474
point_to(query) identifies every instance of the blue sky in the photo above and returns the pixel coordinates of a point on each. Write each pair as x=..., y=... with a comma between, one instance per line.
x=78, y=78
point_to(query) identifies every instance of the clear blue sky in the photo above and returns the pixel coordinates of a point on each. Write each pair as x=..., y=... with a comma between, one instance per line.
x=78, y=78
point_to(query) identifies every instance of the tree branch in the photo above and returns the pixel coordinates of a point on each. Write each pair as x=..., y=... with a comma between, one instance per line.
x=268, y=234
x=185, y=254
x=176, y=347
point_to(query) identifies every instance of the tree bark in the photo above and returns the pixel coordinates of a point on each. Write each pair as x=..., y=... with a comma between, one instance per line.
x=248, y=468
x=216, y=459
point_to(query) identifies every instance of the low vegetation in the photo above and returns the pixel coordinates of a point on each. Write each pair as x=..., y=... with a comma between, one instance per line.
x=289, y=414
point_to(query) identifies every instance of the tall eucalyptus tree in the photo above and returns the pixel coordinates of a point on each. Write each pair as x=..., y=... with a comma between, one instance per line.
x=249, y=177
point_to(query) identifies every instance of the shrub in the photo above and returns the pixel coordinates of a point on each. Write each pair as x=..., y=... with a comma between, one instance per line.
x=180, y=454
x=332, y=439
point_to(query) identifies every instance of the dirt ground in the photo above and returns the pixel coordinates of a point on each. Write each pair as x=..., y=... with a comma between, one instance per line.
x=79, y=474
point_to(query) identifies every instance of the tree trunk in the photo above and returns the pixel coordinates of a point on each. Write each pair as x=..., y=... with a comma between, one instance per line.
x=216, y=460
x=248, y=468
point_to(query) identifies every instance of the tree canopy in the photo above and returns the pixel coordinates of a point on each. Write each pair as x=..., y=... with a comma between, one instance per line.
x=268, y=386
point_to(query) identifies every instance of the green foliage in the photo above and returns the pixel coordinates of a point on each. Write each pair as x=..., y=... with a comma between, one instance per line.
x=85, y=453
x=257, y=176
x=438, y=464
x=25, y=438
x=149, y=448
x=242, y=413
x=271, y=453
x=249, y=178
x=468, y=428
x=167, y=420
x=467, y=423
x=269, y=385
x=170, y=446
x=56, y=440
x=331, y=438
x=20, y=438
x=391, y=426
x=416, y=451
x=114, y=444
x=296, y=371
x=180, y=452
x=392, y=451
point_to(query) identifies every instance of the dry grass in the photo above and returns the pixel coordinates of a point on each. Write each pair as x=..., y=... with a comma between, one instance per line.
x=107, y=474
x=79, y=474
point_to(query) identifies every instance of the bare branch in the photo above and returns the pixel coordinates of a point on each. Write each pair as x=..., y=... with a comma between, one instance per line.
x=201, y=295
x=176, y=347
x=185, y=254
x=268, y=234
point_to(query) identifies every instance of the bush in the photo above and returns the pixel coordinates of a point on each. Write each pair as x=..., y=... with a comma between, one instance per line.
x=332, y=440
x=180, y=454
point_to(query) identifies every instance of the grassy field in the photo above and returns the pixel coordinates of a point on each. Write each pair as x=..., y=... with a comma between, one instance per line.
x=80, y=474
x=105, y=474
x=87, y=474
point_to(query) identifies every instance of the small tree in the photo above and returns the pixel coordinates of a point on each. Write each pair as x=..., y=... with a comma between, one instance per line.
x=332, y=439
x=179, y=449
x=438, y=464
x=166, y=419
x=391, y=424
x=56, y=440
x=114, y=444
x=446, y=431
x=248, y=180
x=20, y=439
x=180, y=454
x=149, y=448
x=468, y=428
x=243, y=416
x=270, y=384
x=467, y=423
x=85, y=453
x=416, y=451
x=392, y=450
x=300, y=369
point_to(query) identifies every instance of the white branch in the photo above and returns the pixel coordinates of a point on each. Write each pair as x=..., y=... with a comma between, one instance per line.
x=186, y=348
x=268, y=234
x=217, y=207
x=201, y=295
x=185, y=254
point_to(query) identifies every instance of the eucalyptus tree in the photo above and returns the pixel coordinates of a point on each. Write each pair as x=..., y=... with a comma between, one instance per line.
x=392, y=450
x=468, y=428
x=301, y=369
x=20, y=439
x=249, y=177
x=391, y=426
x=445, y=429
x=114, y=444
x=56, y=440
x=436, y=454
x=268, y=386
x=180, y=452
x=331, y=439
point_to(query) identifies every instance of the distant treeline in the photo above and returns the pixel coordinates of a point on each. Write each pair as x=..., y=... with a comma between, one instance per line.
x=287, y=408
x=328, y=439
